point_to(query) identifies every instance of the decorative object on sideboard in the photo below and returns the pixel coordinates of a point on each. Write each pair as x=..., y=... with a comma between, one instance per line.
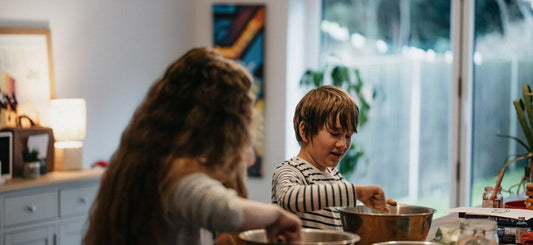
x=68, y=119
x=33, y=136
x=32, y=163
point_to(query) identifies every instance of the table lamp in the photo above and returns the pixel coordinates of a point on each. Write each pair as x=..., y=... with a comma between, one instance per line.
x=68, y=120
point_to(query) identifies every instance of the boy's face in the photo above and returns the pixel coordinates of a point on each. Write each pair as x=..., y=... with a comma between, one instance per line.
x=327, y=147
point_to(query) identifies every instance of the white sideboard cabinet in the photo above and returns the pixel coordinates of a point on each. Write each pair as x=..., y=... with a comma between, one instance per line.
x=49, y=210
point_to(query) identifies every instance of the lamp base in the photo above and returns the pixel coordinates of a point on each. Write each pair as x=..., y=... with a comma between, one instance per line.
x=68, y=155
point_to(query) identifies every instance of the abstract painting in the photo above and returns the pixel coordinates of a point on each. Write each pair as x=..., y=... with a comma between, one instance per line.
x=239, y=35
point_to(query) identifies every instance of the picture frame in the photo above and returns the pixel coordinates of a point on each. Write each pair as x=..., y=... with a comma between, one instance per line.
x=26, y=69
x=6, y=155
x=239, y=34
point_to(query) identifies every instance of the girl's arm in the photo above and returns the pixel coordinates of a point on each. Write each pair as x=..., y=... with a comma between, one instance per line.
x=203, y=202
x=275, y=220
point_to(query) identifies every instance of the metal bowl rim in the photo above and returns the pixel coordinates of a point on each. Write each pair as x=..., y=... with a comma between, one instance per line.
x=351, y=239
x=431, y=211
x=404, y=242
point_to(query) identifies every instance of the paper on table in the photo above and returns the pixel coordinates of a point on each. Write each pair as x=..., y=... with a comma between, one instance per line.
x=39, y=142
x=501, y=212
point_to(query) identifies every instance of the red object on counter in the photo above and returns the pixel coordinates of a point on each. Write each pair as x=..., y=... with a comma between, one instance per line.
x=516, y=204
x=101, y=164
x=527, y=238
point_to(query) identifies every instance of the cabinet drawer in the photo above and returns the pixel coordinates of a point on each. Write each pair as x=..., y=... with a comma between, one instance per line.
x=75, y=201
x=43, y=235
x=30, y=208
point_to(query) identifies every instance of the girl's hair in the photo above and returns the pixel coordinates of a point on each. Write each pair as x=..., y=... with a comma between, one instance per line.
x=194, y=119
x=321, y=107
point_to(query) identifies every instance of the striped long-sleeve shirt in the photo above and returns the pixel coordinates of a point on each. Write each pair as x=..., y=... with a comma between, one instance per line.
x=311, y=194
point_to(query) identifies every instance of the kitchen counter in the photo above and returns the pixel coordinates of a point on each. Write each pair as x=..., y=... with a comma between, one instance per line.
x=51, y=209
x=450, y=220
x=51, y=178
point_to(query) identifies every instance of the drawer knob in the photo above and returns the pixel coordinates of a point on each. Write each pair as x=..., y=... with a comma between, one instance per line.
x=31, y=208
x=83, y=200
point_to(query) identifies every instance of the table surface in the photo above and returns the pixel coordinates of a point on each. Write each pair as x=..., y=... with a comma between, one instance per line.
x=450, y=220
x=51, y=178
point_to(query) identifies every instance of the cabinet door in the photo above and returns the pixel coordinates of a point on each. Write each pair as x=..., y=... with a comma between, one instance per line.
x=71, y=232
x=37, y=236
x=1, y=216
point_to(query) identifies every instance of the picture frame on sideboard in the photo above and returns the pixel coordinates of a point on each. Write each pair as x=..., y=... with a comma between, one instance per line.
x=26, y=70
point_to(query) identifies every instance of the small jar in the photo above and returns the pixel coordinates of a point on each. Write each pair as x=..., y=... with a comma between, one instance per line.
x=32, y=170
x=478, y=231
x=498, y=200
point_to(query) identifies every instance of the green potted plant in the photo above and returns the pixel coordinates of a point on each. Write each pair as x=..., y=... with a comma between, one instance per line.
x=524, y=112
x=32, y=163
x=349, y=79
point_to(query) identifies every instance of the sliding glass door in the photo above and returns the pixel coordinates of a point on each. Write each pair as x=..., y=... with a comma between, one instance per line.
x=444, y=75
x=502, y=62
x=403, y=52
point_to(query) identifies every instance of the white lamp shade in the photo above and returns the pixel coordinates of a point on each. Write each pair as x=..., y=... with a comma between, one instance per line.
x=68, y=119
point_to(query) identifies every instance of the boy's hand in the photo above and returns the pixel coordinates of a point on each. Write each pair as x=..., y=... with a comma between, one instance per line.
x=391, y=202
x=373, y=197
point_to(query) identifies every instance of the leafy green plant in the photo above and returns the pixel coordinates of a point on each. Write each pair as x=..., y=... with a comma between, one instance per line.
x=30, y=156
x=523, y=108
x=349, y=79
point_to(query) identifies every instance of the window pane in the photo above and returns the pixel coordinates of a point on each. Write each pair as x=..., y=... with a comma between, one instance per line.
x=402, y=50
x=503, y=61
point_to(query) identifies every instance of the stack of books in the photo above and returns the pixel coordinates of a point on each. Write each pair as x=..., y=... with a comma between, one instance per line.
x=505, y=218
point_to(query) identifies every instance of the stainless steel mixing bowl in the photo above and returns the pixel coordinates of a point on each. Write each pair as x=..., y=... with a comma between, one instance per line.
x=407, y=243
x=309, y=236
x=402, y=223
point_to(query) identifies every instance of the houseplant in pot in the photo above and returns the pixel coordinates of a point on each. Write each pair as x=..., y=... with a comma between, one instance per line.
x=524, y=111
x=32, y=163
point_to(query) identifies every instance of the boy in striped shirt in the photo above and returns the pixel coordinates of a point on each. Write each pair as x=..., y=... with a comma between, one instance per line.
x=309, y=185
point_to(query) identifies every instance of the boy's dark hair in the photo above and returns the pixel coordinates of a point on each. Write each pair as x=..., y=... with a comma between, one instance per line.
x=321, y=107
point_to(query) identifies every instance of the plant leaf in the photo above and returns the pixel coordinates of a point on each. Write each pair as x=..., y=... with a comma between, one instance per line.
x=339, y=76
x=526, y=90
x=517, y=139
x=519, y=107
x=311, y=77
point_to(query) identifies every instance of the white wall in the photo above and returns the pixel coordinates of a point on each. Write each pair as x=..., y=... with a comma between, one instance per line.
x=302, y=53
x=108, y=52
x=274, y=69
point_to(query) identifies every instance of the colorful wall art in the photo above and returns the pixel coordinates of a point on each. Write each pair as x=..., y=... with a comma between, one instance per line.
x=239, y=34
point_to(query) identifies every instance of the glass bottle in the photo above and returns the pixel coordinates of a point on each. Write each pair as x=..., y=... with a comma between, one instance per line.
x=478, y=232
x=498, y=200
x=521, y=227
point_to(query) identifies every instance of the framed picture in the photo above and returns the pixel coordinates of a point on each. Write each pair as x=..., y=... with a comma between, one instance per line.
x=239, y=34
x=6, y=155
x=26, y=70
